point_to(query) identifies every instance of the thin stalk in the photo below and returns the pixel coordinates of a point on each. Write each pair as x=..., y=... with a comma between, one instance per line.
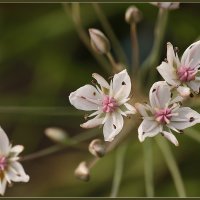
x=135, y=48
x=109, y=31
x=172, y=165
x=148, y=168
x=152, y=60
x=119, y=166
x=74, y=14
x=112, y=61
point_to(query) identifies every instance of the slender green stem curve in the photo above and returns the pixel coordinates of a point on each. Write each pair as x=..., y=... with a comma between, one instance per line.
x=172, y=165
x=148, y=168
x=119, y=166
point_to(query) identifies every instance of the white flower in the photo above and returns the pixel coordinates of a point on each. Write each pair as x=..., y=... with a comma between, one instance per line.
x=109, y=103
x=10, y=168
x=164, y=113
x=185, y=73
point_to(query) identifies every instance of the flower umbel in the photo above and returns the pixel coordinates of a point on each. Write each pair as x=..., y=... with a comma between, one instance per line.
x=10, y=168
x=164, y=113
x=109, y=101
x=183, y=74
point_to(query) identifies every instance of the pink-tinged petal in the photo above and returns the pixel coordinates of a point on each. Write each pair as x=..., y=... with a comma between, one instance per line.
x=141, y=109
x=183, y=91
x=113, y=125
x=22, y=176
x=121, y=85
x=86, y=98
x=159, y=95
x=92, y=123
x=4, y=143
x=170, y=137
x=168, y=73
x=3, y=184
x=191, y=55
x=100, y=80
x=194, y=85
x=185, y=119
x=148, y=128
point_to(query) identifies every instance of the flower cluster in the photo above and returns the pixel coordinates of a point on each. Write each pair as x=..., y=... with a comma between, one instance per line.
x=164, y=112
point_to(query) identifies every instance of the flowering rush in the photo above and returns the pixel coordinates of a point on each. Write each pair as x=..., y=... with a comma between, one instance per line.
x=164, y=114
x=109, y=101
x=10, y=168
x=182, y=74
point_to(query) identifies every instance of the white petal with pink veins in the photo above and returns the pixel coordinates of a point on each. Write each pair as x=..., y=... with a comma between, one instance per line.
x=100, y=80
x=86, y=98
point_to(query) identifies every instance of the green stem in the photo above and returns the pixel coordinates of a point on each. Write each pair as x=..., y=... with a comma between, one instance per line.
x=152, y=60
x=148, y=168
x=109, y=31
x=119, y=166
x=135, y=49
x=75, y=17
x=172, y=165
x=194, y=134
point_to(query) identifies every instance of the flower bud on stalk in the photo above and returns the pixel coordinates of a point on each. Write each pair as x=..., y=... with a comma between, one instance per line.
x=133, y=15
x=99, y=41
x=82, y=171
x=56, y=134
x=97, y=148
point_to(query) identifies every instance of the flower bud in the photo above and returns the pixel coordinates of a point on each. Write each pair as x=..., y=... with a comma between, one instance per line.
x=99, y=41
x=56, y=134
x=97, y=148
x=167, y=5
x=133, y=15
x=82, y=171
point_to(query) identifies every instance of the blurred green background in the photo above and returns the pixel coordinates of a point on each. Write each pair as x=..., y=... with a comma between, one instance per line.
x=42, y=60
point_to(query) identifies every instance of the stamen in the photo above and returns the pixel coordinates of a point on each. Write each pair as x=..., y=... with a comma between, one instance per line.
x=186, y=74
x=109, y=104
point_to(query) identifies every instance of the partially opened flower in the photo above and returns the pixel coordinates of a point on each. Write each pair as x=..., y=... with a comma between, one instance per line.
x=10, y=168
x=108, y=101
x=164, y=114
x=185, y=73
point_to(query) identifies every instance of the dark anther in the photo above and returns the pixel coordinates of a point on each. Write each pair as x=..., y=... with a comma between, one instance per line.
x=190, y=46
x=166, y=60
x=181, y=131
x=143, y=133
x=176, y=49
x=94, y=82
x=83, y=97
x=123, y=83
x=94, y=93
x=191, y=95
x=154, y=90
x=114, y=126
x=191, y=119
x=171, y=94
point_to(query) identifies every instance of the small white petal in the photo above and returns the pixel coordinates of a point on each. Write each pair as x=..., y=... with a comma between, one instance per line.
x=159, y=94
x=112, y=126
x=100, y=80
x=148, y=128
x=16, y=150
x=168, y=73
x=4, y=143
x=194, y=85
x=170, y=137
x=186, y=118
x=3, y=184
x=121, y=85
x=171, y=57
x=183, y=91
x=86, y=98
x=130, y=109
x=92, y=123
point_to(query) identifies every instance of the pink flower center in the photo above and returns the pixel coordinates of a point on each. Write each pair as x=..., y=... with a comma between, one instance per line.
x=109, y=104
x=2, y=163
x=186, y=74
x=163, y=116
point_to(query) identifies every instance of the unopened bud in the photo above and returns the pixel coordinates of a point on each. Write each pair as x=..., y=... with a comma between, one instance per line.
x=166, y=5
x=99, y=41
x=133, y=15
x=56, y=134
x=97, y=148
x=82, y=171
